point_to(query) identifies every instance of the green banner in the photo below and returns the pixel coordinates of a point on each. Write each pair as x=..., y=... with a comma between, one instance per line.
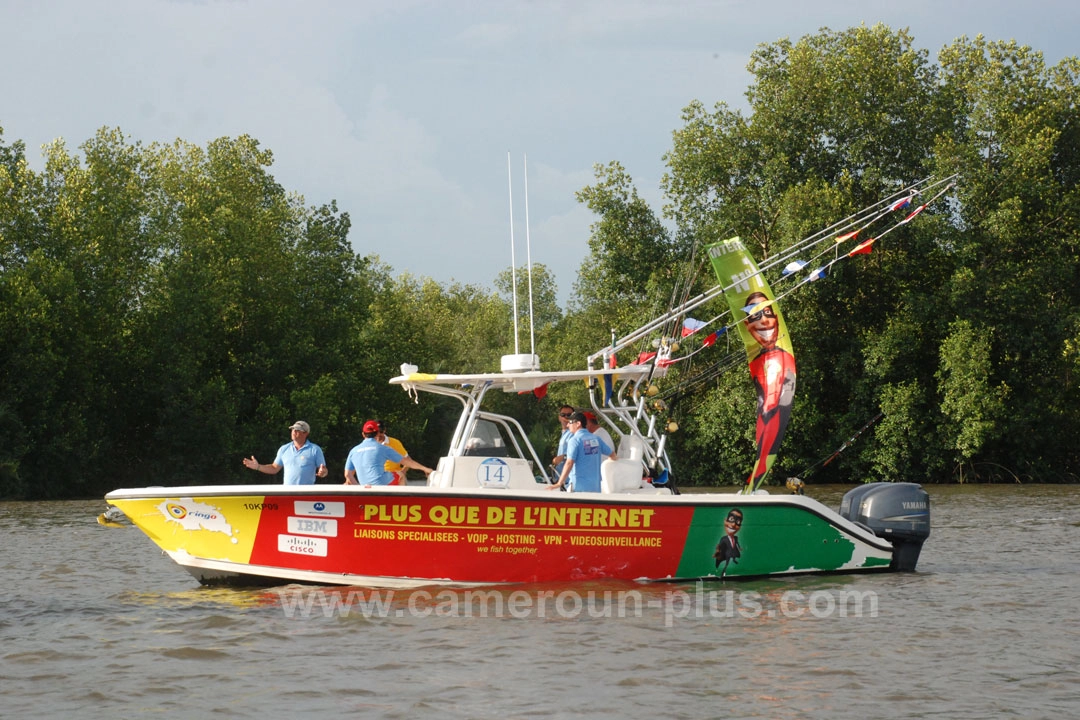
x=768, y=346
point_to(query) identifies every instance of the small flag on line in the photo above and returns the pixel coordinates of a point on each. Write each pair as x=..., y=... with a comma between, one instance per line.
x=793, y=267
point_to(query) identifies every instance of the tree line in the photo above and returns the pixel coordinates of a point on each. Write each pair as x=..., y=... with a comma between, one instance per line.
x=166, y=309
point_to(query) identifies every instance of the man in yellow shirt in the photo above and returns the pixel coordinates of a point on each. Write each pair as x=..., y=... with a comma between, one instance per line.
x=393, y=467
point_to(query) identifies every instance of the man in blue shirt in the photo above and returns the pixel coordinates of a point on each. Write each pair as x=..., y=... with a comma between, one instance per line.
x=565, y=413
x=366, y=464
x=303, y=461
x=584, y=453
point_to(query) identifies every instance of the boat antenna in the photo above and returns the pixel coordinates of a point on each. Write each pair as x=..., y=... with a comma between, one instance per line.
x=518, y=362
x=528, y=260
x=513, y=260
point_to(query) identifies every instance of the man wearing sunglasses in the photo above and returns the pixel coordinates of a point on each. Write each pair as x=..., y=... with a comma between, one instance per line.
x=584, y=453
x=560, y=454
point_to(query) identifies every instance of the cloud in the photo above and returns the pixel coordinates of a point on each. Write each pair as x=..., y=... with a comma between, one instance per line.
x=403, y=111
x=491, y=35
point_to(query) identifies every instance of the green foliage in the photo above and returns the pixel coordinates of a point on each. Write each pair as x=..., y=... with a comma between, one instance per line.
x=959, y=326
x=715, y=442
x=166, y=310
x=630, y=252
x=974, y=410
x=904, y=442
x=536, y=288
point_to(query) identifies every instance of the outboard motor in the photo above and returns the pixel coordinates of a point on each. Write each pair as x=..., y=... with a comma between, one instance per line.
x=897, y=512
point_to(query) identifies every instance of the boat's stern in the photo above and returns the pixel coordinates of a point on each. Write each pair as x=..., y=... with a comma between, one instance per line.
x=897, y=512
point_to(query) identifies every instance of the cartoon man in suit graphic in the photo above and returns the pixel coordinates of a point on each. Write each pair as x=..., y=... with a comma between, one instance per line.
x=728, y=549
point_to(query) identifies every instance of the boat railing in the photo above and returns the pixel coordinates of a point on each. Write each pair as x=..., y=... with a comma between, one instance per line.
x=626, y=410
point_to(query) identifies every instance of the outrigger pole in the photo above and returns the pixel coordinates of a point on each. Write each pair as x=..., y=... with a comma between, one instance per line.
x=860, y=221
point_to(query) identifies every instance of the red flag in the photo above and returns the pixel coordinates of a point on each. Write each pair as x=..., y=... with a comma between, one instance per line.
x=862, y=248
x=540, y=392
x=644, y=358
x=914, y=212
x=850, y=235
x=691, y=326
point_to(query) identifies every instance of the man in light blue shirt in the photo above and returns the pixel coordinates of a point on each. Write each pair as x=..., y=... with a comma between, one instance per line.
x=565, y=413
x=303, y=461
x=366, y=464
x=584, y=453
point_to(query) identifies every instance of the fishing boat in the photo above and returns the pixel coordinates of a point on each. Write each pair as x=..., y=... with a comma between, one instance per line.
x=488, y=514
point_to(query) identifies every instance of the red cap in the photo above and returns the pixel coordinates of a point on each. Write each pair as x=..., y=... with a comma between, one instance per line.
x=590, y=416
x=371, y=427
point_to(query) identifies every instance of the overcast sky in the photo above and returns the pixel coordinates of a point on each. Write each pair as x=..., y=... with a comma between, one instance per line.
x=404, y=111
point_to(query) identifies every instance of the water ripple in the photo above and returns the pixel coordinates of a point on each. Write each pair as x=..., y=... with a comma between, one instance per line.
x=104, y=625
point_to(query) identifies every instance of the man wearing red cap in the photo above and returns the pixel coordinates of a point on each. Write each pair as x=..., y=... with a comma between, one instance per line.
x=366, y=464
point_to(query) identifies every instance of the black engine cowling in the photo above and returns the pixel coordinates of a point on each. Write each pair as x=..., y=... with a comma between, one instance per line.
x=897, y=512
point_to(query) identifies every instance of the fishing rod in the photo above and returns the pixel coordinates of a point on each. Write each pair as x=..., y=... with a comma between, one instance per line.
x=824, y=462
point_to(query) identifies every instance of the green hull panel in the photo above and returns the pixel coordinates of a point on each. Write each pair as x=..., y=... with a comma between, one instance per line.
x=774, y=539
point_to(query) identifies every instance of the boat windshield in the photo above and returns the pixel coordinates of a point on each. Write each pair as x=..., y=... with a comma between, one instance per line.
x=487, y=440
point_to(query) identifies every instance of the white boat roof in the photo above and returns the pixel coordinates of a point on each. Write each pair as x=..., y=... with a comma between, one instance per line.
x=520, y=381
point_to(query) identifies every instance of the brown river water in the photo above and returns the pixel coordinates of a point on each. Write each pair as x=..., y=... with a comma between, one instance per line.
x=96, y=622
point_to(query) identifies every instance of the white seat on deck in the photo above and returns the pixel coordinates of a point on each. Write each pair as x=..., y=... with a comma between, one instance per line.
x=618, y=476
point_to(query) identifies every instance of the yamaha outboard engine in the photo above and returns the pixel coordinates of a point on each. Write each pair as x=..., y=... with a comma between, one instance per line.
x=897, y=512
